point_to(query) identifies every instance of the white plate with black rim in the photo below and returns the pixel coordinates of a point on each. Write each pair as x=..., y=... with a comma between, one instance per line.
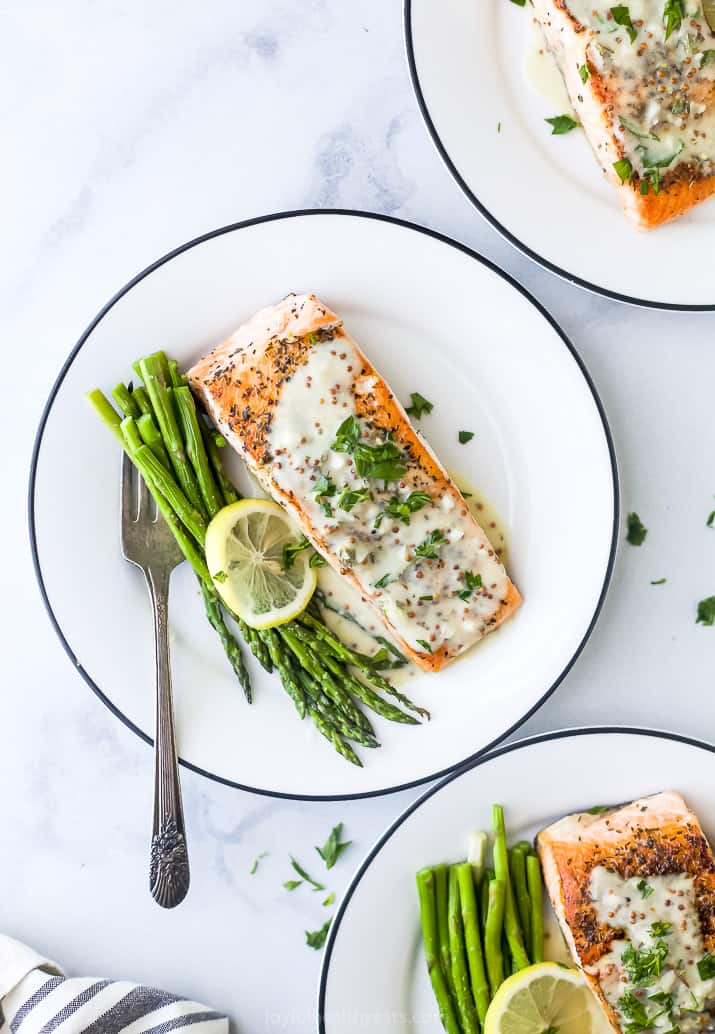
x=544, y=193
x=434, y=318
x=374, y=975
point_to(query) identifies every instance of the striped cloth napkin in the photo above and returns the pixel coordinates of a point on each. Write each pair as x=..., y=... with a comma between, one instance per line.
x=36, y=998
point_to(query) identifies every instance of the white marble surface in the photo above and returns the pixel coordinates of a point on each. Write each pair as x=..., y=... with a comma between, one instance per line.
x=128, y=129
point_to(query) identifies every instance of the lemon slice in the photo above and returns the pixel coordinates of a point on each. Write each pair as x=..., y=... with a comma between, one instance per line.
x=253, y=575
x=543, y=999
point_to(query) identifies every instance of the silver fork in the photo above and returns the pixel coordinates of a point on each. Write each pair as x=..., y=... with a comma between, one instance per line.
x=147, y=542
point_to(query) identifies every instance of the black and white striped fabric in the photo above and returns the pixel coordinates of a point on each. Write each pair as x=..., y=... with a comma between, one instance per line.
x=36, y=998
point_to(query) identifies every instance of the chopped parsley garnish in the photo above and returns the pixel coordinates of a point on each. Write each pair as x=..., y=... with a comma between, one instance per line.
x=673, y=14
x=644, y=965
x=659, y=928
x=401, y=509
x=317, y=561
x=330, y=898
x=652, y=166
x=634, y=129
x=425, y=645
x=636, y=530
x=316, y=938
x=707, y=57
x=291, y=551
x=220, y=577
x=519, y=3
x=624, y=169
x=706, y=612
x=598, y=809
x=622, y=16
x=465, y=436
x=426, y=599
x=706, y=966
x=350, y=497
x=333, y=846
x=659, y=581
x=420, y=405
x=257, y=862
x=645, y=888
x=472, y=582
x=584, y=73
x=428, y=549
x=323, y=490
x=304, y=875
x=292, y=884
x=635, y=1011
x=561, y=124
x=383, y=581
x=680, y=107
x=708, y=522
x=371, y=461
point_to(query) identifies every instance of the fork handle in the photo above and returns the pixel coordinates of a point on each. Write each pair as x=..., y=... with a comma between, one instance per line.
x=169, y=863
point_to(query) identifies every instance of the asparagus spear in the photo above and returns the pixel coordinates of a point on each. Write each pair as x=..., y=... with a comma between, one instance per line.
x=430, y=936
x=533, y=879
x=501, y=869
x=188, y=419
x=124, y=399
x=231, y=647
x=139, y=394
x=149, y=433
x=441, y=890
x=476, y=853
x=460, y=970
x=517, y=871
x=154, y=377
x=493, y=933
x=473, y=939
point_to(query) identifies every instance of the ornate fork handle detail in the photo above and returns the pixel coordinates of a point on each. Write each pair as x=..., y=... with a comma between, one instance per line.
x=169, y=864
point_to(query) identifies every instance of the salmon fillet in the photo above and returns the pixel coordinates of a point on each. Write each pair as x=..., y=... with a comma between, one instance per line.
x=325, y=436
x=634, y=891
x=642, y=83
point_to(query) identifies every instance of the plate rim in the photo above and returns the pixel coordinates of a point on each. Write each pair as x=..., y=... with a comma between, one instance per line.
x=275, y=217
x=507, y=748
x=552, y=267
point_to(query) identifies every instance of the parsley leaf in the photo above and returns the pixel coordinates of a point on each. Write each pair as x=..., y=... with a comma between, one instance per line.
x=304, y=875
x=401, y=509
x=598, y=809
x=317, y=561
x=333, y=847
x=673, y=14
x=708, y=522
x=323, y=490
x=644, y=965
x=383, y=582
x=220, y=577
x=622, y=16
x=645, y=888
x=465, y=436
x=330, y=898
x=659, y=581
x=257, y=861
x=707, y=57
x=561, y=124
x=635, y=1011
x=420, y=405
x=316, y=938
x=636, y=531
x=519, y=3
x=706, y=966
x=371, y=461
x=584, y=73
x=472, y=582
x=706, y=612
x=659, y=929
x=349, y=498
x=292, y=884
x=624, y=169
x=428, y=549
x=634, y=129
x=425, y=645
x=291, y=551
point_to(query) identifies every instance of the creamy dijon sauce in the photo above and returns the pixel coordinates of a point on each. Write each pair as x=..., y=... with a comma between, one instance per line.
x=664, y=89
x=542, y=73
x=632, y=907
x=418, y=595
